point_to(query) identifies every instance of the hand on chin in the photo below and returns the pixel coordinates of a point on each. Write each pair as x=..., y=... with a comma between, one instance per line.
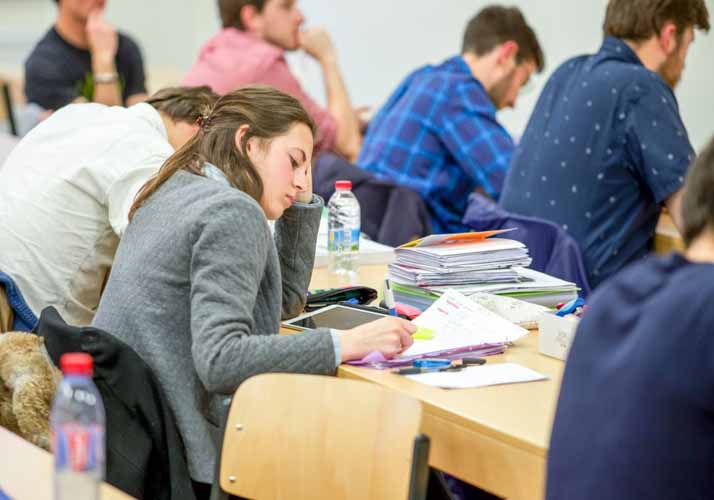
x=304, y=197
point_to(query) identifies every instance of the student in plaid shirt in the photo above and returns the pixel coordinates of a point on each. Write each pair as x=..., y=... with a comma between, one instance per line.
x=438, y=134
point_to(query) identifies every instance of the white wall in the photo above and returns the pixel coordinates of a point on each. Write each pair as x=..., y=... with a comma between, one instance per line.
x=379, y=41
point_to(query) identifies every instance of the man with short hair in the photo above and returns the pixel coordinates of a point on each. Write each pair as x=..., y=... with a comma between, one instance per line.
x=67, y=188
x=635, y=417
x=605, y=147
x=438, y=134
x=251, y=49
x=83, y=58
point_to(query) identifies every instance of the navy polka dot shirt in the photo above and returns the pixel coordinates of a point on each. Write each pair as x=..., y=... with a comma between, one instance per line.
x=604, y=148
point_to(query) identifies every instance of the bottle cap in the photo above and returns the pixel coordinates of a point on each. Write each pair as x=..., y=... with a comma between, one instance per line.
x=76, y=363
x=343, y=184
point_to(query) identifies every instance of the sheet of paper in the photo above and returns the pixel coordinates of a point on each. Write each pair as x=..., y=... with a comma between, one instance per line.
x=480, y=376
x=516, y=311
x=458, y=322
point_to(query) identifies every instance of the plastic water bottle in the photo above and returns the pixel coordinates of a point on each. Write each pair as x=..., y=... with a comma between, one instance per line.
x=77, y=424
x=343, y=230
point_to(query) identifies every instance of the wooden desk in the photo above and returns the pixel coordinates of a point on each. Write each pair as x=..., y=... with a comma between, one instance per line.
x=26, y=471
x=493, y=437
x=667, y=237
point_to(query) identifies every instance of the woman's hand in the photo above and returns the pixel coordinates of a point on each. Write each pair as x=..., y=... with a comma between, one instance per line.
x=389, y=335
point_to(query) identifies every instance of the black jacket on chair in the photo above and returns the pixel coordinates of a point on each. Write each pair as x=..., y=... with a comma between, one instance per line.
x=144, y=452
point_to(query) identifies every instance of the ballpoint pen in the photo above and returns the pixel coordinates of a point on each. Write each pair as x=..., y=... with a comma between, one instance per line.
x=389, y=298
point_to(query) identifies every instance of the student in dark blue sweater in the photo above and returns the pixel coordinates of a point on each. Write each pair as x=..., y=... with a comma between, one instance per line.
x=635, y=417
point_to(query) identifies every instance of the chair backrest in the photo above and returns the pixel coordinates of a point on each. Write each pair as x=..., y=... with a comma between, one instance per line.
x=553, y=251
x=390, y=214
x=314, y=437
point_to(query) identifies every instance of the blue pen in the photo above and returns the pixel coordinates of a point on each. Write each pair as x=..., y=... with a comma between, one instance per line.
x=389, y=298
x=431, y=363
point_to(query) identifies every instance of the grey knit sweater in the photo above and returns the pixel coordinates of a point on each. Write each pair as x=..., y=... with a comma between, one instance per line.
x=197, y=288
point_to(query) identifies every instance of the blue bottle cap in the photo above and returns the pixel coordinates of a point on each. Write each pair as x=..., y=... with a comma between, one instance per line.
x=431, y=363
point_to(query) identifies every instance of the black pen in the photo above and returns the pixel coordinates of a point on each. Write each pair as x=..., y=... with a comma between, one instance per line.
x=416, y=371
x=473, y=361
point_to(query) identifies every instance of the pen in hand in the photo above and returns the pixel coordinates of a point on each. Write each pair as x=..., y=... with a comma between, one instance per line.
x=389, y=298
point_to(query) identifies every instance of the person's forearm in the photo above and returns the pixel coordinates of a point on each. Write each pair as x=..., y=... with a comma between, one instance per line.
x=136, y=98
x=106, y=93
x=295, y=236
x=348, y=140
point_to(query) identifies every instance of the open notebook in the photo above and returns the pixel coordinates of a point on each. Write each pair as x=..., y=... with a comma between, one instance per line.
x=459, y=326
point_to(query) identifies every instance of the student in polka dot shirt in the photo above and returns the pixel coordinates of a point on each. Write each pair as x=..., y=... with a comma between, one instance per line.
x=605, y=147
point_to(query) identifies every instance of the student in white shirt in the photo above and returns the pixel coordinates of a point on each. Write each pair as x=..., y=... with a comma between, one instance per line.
x=67, y=188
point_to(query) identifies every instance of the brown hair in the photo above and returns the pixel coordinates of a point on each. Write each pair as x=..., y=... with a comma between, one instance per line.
x=267, y=112
x=184, y=104
x=638, y=20
x=698, y=201
x=230, y=11
x=495, y=25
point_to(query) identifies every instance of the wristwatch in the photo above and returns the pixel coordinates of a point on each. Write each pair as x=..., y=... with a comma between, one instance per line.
x=106, y=77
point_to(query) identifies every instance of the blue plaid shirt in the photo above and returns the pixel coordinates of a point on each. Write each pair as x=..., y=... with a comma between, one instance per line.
x=437, y=134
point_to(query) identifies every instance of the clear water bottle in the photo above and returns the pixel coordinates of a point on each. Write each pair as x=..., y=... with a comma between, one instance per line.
x=343, y=230
x=77, y=425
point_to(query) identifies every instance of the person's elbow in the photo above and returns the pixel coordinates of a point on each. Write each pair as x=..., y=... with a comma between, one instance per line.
x=214, y=380
x=293, y=304
x=349, y=145
x=213, y=365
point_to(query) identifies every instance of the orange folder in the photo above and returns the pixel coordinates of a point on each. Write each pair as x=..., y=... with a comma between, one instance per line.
x=445, y=239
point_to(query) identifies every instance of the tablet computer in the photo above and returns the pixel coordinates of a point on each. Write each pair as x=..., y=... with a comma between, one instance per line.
x=336, y=316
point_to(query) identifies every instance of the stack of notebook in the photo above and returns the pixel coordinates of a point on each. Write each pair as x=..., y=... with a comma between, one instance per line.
x=471, y=263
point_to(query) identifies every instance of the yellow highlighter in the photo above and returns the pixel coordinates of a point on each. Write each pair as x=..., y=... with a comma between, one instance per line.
x=423, y=334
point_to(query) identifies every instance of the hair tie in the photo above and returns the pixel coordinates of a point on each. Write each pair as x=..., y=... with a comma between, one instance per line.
x=204, y=121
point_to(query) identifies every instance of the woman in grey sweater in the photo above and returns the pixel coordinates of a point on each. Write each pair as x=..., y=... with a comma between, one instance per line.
x=199, y=284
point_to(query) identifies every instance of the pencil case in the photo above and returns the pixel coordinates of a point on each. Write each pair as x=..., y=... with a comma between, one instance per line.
x=317, y=299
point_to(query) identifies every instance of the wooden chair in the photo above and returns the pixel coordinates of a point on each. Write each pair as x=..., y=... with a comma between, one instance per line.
x=293, y=436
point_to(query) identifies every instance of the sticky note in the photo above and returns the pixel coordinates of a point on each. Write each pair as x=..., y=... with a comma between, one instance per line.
x=423, y=334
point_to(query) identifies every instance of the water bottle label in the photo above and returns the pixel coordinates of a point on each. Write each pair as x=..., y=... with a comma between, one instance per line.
x=353, y=244
x=343, y=239
x=334, y=240
x=77, y=447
